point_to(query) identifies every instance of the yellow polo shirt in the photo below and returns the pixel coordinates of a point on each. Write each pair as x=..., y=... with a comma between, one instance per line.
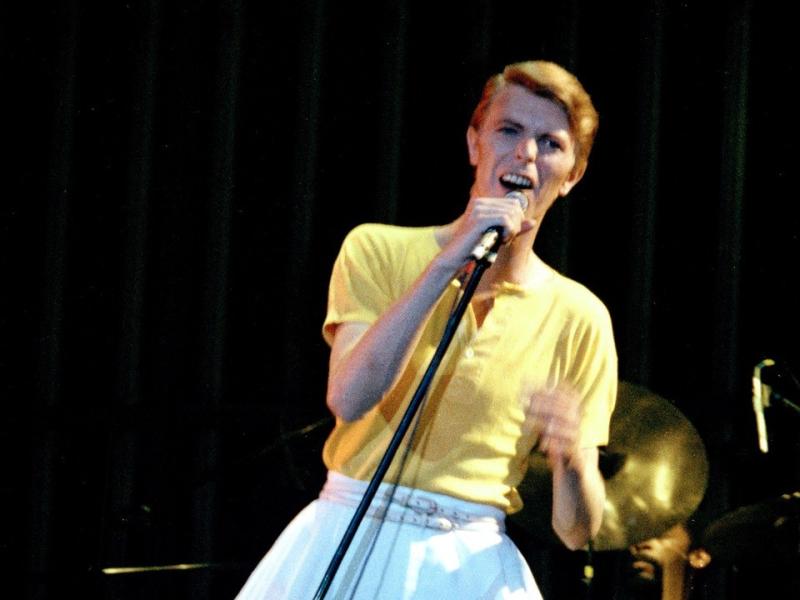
x=472, y=441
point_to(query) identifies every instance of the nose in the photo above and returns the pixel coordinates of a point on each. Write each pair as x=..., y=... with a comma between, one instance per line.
x=527, y=149
x=637, y=547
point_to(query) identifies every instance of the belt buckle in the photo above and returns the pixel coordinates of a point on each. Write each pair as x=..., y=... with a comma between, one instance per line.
x=445, y=524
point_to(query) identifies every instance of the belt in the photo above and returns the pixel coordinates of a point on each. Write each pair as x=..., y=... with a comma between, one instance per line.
x=414, y=507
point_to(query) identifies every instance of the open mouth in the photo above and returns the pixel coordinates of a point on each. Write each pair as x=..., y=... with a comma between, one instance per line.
x=515, y=181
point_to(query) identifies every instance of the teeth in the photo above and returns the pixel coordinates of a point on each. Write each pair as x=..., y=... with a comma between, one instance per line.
x=516, y=181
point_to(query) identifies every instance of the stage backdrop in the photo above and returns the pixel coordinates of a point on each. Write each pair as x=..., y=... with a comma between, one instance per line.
x=181, y=174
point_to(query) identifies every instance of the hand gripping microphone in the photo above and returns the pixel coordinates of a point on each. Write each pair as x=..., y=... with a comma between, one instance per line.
x=761, y=395
x=488, y=242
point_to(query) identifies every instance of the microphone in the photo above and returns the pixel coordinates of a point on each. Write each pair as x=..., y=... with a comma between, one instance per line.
x=761, y=396
x=488, y=240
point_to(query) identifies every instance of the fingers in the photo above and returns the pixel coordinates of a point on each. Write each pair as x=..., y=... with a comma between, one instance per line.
x=559, y=446
x=483, y=213
x=555, y=418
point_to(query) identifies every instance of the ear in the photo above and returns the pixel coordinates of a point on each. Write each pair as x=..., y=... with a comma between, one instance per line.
x=472, y=145
x=572, y=180
x=699, y=558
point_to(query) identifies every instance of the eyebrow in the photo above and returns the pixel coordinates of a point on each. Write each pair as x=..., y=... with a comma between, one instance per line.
x=562, y=134
x=507, y=121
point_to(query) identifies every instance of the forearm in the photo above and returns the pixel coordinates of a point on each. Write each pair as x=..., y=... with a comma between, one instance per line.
x=366, y=363
x=578, y=498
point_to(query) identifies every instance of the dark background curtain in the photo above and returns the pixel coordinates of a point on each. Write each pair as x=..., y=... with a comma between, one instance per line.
x=179, y=178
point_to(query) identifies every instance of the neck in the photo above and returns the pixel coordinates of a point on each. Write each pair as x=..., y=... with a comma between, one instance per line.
x=674, y=583
x=517, y=263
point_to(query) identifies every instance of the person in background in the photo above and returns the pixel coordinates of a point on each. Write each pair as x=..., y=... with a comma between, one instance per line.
x=665, y=567
x=532, y=367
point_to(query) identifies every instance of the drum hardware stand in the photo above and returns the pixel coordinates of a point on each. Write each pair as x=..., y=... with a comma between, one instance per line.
x=762, y=397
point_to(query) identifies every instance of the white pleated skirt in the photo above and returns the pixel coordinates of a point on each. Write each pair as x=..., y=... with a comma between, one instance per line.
x=410, y=545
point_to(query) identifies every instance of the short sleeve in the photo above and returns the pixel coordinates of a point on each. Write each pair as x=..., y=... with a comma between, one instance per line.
x=358, y=289
x=595, y=377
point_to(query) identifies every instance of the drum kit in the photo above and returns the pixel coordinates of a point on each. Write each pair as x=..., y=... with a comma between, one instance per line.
x=656, y=472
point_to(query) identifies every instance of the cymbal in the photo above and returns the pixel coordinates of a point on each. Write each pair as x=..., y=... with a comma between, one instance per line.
x=757, y=534
x=655, y=467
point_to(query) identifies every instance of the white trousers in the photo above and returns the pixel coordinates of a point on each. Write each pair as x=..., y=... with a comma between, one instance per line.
x=418, y=545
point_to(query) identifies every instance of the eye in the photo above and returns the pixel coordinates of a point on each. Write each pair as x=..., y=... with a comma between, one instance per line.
x=550, y=143
x=509, y=130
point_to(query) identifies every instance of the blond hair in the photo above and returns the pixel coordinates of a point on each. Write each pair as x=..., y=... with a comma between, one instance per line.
x=551, y=81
